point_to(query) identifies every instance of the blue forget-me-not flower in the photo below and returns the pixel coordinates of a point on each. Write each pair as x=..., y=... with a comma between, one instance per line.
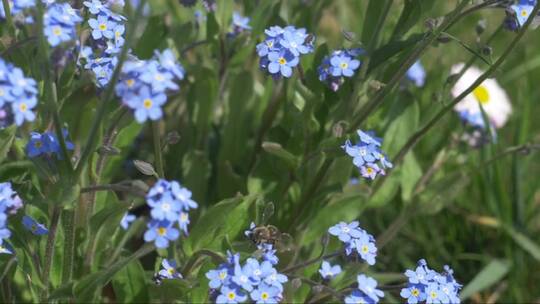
x=367, y=155
x=281, y=50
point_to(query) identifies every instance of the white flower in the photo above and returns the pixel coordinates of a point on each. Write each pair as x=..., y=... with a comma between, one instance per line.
x=489, y=94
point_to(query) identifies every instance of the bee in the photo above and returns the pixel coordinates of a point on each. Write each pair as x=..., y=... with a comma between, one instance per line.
x=269, y=234
x=157, y=279
x=309, y=39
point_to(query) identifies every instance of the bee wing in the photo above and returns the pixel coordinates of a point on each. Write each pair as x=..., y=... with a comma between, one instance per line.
x=286, y=243
x=267, y=213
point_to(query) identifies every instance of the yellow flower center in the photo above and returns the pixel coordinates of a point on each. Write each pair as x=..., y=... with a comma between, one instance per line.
x=147, y=103
x=433, y=295
x=369, y=170
x=159, y=77
x=222, y=275
x=524, y=13
x=1, y=92
x=38, y=144
x=130, y=82
x=57, y=31
x=23, y=107
x=264, y=295
x=102, y=26
x=183, y=217
x=365, y=248
x=231, y=295
x=117, y=34
x=282, y=61
x=269, y=43
x=481, y=94
x=170, y=271
x=33, y=228
x=415, y=292
x=344, y=65
x=162, y=231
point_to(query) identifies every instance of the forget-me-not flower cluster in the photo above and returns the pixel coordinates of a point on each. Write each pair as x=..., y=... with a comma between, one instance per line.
x=46, y=145
x=105, y=43
x=357, y=241
x=428, y=286
x=367, y=155
x=258, y=280
x=340, y=64
x=10, y=202
x=170, y=204
x=367, y=291
x=281, y=50
x=18, y=96
x=60, y=23
x=144, y=84
x=233, y=282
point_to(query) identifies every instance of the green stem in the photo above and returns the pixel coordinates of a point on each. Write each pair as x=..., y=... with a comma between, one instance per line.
x=268, y=118
x=312, y=261
x=9, y=19
x=307, y=195
x=49, y=251
x=109, y=92
x=157, y=149
x=194, y=259
x=50, y=86
x=423, y=131
x=114, y=187
x=367, y=109
x=68, y=219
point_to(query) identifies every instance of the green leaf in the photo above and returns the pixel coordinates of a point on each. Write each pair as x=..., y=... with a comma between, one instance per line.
x=86, y=289
x=489, y=275
x=411, y=172
x=402, y=127
x=413, y=11
x=226, y=218
x=345, y=208
x=375, y=11
x=153, y=36
x=196, y=168
x=7, y=136
x=524, y=242
x=130, y=284
x=278, y=151
x=386, y=192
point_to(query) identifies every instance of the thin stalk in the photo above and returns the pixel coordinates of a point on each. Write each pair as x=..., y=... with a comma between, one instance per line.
x=109, y=92
x=114, y=187
x=194, y=259
x=157, y=149
x=68, y=219
x=294, y=268
x=131, y=231
x=423, y=131
x=307, y=195
x=49, y=251
x=50, y=86
x=9, y=19
x=268, y=118
x=367, y=109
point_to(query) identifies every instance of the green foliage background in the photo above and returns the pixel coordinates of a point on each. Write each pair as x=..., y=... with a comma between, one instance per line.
x=247, y=140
